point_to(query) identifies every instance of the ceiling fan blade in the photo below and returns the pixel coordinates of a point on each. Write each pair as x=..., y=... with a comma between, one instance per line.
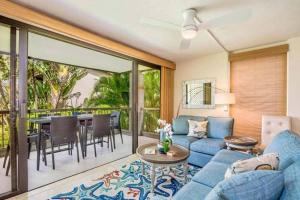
x=227, y=19
x=185, y=44
x=160, y=24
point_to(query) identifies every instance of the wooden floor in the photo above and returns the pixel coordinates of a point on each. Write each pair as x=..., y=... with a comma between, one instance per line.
x=67, y=165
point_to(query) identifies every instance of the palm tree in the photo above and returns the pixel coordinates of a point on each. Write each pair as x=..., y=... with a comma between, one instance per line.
x=51, y=84
x=111, y=91
x=114, y=90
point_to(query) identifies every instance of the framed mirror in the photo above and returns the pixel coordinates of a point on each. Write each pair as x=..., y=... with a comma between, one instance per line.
x=199, y=93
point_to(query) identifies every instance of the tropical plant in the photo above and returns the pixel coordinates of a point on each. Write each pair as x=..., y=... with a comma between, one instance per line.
x=110, y=91
x=4, y=97
x=152, y=89
x=51, y=84
x=4, y=82
x=114, y=91
x=151, y=98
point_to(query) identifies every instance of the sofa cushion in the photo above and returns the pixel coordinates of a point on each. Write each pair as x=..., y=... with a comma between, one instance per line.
x=291, y=182
x=192, y=191
x=199, y=159
x=208, y=145
x=260, y=184
x=229, y=157
x=287, y=145
x=180, y=124
x=211, y=174
x=219, y=127
x=183, y=140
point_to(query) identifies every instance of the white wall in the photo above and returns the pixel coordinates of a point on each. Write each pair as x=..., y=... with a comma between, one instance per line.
x=211, y=66
x=217, y=66
x=85, y=86
x=294, y=83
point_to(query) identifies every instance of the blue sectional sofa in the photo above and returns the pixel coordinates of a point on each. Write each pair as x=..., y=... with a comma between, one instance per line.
x=209, y=182
x=202, y=150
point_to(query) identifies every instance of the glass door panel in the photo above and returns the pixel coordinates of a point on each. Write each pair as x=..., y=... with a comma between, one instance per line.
x=148, y=103
x=8, y=109
x=69, y=80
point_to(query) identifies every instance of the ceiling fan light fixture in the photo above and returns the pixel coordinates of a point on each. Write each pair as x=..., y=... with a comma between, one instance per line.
x=189, y=27
x=189, y=33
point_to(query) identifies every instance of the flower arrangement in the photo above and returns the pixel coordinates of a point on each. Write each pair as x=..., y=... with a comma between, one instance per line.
x=165, y=130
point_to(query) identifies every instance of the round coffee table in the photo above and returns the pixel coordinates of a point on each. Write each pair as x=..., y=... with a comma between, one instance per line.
x=163, y=160
x=240, y=142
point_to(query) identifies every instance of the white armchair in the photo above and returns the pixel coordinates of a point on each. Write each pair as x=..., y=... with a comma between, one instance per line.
x=271, y=126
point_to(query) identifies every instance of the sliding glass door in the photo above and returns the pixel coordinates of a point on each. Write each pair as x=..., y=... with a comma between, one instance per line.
x=7, y=176
x=44, y=75
x=148, y=102
x=13, y=62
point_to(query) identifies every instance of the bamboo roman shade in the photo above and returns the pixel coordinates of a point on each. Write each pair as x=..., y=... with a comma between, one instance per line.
x=258, y=80
x=167, y=94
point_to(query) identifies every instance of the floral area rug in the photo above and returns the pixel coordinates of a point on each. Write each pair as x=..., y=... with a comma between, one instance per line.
x=129, y=183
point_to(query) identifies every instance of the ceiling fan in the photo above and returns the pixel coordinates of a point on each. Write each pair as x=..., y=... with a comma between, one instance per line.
x=192, y=24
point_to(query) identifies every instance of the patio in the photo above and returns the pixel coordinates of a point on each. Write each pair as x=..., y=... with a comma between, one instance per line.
x=66, y=165
x=68, y=79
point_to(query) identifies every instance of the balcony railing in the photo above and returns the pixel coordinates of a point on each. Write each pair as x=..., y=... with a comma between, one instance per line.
x=150, y=116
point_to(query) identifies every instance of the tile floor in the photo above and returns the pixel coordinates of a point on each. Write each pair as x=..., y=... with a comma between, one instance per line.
x=67, y=166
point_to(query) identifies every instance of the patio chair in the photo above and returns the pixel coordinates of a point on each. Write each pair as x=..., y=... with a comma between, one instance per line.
x=116, y=117
x=101, y=128
x=63, y=131
x=7, y=159
x=30, y=139
x=32, y=134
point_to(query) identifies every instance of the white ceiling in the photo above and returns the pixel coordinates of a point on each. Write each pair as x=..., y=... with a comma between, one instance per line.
x=50, y=49
x=45, y=48
x=272, y=21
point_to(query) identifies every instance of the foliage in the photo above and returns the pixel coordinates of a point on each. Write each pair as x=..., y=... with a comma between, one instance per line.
x=110, y=91
x=4, y=82
x=151, y=98
x=114, y=91
x=152, y=89
x=50, y=84
x=4, y=96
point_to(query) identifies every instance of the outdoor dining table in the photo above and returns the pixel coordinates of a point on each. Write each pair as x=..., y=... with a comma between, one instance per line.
x=83, y=135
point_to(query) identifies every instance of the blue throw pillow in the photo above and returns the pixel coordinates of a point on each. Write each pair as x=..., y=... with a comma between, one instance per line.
x=219, y=127
x=291, y=182
x=180, y=124
x=253, y=185
x=287, y=145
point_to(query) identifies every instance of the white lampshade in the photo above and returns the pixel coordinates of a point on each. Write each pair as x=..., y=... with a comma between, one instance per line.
x=224, y=98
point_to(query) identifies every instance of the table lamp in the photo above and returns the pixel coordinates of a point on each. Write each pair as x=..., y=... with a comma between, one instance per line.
x=224, y=99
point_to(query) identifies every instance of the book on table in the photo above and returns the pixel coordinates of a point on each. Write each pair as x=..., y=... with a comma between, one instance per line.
x=150, y=151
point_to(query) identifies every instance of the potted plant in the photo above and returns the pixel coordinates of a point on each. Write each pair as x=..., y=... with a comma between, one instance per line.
x=165, y=131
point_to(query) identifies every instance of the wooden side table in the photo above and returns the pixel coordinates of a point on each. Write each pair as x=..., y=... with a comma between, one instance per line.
x=241, y=143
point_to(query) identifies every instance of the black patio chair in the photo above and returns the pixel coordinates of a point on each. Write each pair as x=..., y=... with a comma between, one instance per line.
x=32, y=136
x=7, y=159
x=116, y=122
x=63, y=131
x=101, y=128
